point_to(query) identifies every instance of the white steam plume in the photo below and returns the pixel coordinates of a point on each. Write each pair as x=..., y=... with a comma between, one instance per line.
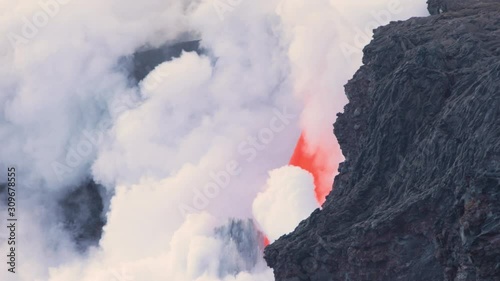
x=288, y=199
x=187, y=149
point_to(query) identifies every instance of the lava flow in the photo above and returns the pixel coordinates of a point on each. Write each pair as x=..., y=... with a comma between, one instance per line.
x=317, y=161
x=266, y=241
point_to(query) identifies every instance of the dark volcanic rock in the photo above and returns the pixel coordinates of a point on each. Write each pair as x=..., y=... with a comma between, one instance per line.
x=144, y=61
x=440, y=6
x=83, y=214
x=418, y=197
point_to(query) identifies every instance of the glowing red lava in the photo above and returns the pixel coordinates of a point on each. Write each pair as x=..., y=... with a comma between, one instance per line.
x=318, y=161
x=266, y=241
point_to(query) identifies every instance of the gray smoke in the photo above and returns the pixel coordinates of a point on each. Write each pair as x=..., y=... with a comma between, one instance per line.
x=242, y=247
x=139, y=127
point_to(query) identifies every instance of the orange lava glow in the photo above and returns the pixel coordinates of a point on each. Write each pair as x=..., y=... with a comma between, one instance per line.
x=266, y=242
x=318, y=161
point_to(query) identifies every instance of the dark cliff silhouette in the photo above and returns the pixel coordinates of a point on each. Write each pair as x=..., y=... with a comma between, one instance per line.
x=418, y=197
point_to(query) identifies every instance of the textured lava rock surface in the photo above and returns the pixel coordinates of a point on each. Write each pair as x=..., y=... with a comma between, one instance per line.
x=418, y=197
x=441, y=6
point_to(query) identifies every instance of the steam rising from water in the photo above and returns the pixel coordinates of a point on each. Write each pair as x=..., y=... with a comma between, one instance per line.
x=185, y=151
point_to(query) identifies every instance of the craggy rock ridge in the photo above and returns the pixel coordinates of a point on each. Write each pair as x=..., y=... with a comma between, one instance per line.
x=440, y=6
x=418, y=197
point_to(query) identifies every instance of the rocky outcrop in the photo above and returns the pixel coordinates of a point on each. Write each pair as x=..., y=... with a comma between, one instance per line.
x=418, y=197
x=440, y=6
x=82, y=213
x=145, y=60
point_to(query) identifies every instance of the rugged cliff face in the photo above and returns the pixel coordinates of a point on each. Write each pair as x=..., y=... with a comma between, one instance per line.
x=441, y=6
x=418, y=197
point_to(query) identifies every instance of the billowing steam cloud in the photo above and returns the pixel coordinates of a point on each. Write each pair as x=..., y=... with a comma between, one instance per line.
x=288, y=199
x=182, y=154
